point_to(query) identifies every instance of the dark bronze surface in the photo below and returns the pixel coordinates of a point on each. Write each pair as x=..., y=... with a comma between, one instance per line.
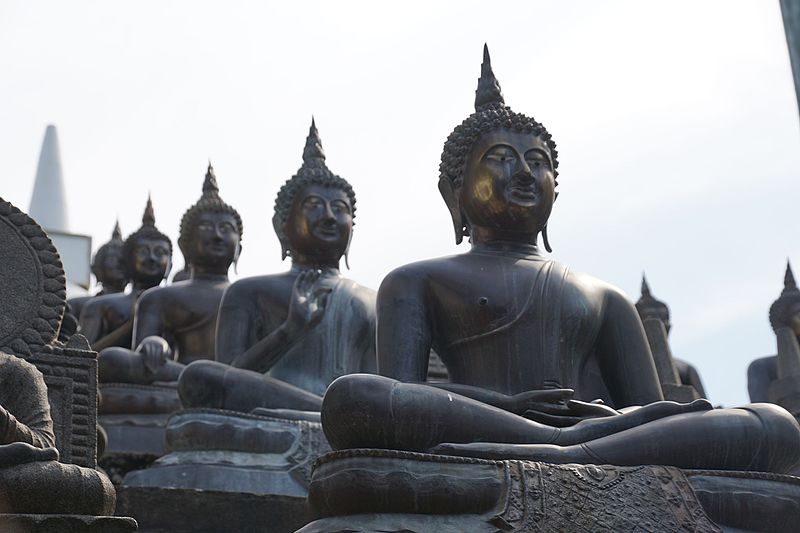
x=302, y=328
x=108, y=320
x=175, y=325
x=507, y=321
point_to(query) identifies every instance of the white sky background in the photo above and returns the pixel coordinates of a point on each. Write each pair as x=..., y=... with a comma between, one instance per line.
x=676, y=124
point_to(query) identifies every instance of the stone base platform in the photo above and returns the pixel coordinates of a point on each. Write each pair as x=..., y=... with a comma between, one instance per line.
x=216, y=450
x=64, y=523
x=160, y=510
x=379, y=490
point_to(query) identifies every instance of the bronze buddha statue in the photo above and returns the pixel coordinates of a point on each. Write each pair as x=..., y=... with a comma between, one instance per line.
x=146, y=257
x=522, y=335
x=282, y=338
x=176, y=324
x=108, y=269
x=648, y=306
x=776, y=378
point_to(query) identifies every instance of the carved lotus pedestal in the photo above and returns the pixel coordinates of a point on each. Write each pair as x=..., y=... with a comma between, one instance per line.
x=239, y=464
x=378, y=490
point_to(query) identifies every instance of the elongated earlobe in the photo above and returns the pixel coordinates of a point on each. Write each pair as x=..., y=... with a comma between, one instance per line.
x=546, y=240
x=236, y=258
x=347, y=251
x=450, y=197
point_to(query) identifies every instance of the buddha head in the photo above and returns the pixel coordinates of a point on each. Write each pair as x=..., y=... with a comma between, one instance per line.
x=649, y=307
x=211, y=231
x=108, y=265
x=498, y=169
x=314, y=210
x=785, y=311
x=147, y=252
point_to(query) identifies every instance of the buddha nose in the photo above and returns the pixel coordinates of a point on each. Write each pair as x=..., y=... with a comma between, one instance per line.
x=523, y=170
x=328, y=215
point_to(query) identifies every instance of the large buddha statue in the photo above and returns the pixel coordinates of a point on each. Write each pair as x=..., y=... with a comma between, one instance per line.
x=529, y=343
x=108, y=269
x=282, y=338
x=175, y=325
x=650, y=307
x=146, y=254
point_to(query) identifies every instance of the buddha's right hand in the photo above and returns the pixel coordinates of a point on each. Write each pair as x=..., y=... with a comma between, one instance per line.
x=155, y=352
x=556, y=407
x=307, y=305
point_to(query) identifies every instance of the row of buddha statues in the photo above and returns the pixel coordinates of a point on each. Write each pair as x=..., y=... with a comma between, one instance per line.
x=542, y=363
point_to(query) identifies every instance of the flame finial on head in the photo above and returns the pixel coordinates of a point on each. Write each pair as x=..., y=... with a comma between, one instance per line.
x=313, y=154
x=210, y=183
x=488, y=91
x=645, y=287
x=149, y=216
x=116, y=235
x=789, y=283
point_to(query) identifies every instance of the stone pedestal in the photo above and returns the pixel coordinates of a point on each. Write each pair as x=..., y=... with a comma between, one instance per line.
x=135, y=419
x=216, y=450
x=379, y=490
x=160, y=510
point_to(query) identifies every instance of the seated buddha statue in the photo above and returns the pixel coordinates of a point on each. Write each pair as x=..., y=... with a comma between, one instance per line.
x=529, y=344
x=175, y=325
x=282, y=338
x=776, y=378
x=648, y=306
x=146, y=254
x=107, y=267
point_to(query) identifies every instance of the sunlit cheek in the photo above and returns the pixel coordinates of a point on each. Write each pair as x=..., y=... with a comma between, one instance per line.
x=483, y=190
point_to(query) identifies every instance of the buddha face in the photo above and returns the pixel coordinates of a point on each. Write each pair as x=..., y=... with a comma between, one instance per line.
x=151, y=259
x=320, y=222
x=215, y=239
x=110, y=272
x=508, y=182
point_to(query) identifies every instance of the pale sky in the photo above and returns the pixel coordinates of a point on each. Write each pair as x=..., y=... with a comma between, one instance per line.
x=676, y=124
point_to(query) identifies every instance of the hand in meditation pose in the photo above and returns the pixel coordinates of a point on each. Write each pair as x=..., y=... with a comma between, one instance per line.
x=26, y=429
x=175, y=325
x=282, y=338
x=108, y=320
x=507, y=321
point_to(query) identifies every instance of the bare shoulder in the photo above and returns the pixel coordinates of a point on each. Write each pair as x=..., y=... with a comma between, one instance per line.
x=256, y=287
x=594, y=293
x=416, y=277
x=98, y=304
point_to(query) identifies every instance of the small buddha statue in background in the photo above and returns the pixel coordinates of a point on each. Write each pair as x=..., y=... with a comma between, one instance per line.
x=282, y=338
x=681, y=373
x=108, y=269
x=777, y=378
x=147, y=255
x=176, y=324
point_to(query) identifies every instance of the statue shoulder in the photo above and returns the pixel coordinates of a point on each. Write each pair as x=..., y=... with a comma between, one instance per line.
x=359, y=294
x=247, y=290
x=594, y=293
x=417, y=276
x=16, y=374
x=154, y=296
x=98, y=304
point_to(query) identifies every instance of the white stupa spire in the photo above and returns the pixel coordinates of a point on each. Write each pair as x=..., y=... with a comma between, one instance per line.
x=49, y=199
